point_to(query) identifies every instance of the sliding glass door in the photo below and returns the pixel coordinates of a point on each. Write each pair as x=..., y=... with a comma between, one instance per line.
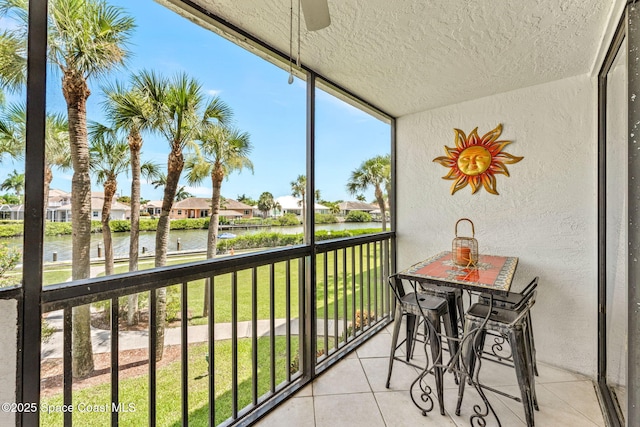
x=617, y=233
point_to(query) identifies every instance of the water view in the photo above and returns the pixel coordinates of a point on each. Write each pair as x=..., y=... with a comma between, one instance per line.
x=190, y=240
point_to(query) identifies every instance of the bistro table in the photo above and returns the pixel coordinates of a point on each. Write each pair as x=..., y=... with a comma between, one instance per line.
x=490, y=275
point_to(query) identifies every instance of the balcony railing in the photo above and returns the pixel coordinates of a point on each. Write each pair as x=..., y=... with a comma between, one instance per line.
x=276, y=320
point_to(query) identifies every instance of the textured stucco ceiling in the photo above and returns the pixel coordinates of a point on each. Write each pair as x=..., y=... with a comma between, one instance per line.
x=414, y=55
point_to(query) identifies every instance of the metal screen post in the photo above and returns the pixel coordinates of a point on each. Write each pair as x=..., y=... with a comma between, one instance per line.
x=633, y=333
x=310, y=325
x=34, y=210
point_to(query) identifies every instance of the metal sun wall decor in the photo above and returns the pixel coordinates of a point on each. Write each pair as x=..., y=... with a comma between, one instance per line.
x=476, y=160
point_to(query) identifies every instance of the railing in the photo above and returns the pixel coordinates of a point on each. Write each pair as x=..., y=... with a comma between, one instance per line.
x=268, y=333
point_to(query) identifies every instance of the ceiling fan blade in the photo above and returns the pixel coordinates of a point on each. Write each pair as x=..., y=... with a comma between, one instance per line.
x=316, y=14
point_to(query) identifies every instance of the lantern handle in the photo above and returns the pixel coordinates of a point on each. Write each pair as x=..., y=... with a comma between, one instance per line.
x=473, y=231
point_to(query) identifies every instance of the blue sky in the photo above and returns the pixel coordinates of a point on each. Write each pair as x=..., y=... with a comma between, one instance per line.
x=264, y=105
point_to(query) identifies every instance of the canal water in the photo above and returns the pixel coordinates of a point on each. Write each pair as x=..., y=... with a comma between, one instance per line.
x=189, y=239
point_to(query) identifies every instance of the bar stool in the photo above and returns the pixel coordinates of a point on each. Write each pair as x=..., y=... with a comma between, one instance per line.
x=414, y=307
x=511, y=324
x=453, y=297
x=510, y=302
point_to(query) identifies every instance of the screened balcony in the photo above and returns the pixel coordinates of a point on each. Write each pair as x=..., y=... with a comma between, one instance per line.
x=555, y=74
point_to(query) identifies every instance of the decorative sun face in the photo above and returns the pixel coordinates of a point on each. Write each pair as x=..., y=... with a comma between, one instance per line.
x=476, y=161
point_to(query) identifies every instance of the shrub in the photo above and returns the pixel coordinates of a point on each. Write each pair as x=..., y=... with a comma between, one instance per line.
x=358, y=216
x=120, y=225
x=325, y=219
x=189, y=224
x=173, y=303
x=148, y=224
x=361, y=322
x=294, y=366
x=47, y=331
x=248, y=221
x=260, y=240
x=11, y=230
x=9, y=258
x=288, y=219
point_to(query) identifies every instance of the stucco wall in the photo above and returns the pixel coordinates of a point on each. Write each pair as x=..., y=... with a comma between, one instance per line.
x=8, y=338
x=546, y=213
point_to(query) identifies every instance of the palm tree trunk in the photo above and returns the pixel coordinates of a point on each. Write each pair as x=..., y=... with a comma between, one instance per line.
x=304, y=219
x=135, y=145
x=110, y=187
x=48, y=177
x=175, y=163
x=388, y=190
x=380, y=200
x=212, y=234
x=76, y=93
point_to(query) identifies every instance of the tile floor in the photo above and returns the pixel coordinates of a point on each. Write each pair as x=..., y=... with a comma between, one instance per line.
x=352, y=393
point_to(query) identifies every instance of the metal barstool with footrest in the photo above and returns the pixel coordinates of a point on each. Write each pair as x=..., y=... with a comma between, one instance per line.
x=510, y=302
x=511, y=324
x=415, y=306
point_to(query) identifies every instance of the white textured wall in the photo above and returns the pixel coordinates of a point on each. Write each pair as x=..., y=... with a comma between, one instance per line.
x=8, y=339
x=546, y=213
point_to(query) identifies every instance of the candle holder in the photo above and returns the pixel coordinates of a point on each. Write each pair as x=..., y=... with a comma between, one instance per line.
x=464, y=250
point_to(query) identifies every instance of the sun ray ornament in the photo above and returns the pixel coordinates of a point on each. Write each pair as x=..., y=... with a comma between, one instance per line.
x=476, y=160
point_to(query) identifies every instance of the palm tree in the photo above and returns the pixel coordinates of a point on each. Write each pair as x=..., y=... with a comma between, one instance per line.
x=266, y=203
x=222, y=150
x=130, y=112
x=13, y=57
x=160, y=181
x=15, y=182
x=179, y=111
x=13, y=131
x=86, y=38
x=109, y=158
x=182, y=193
x=13, y=136
x=298, y=189
x=57, y=151
x=374, y=172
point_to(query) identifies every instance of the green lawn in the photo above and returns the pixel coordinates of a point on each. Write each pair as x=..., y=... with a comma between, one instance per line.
x=222, y=309
x=133, y=391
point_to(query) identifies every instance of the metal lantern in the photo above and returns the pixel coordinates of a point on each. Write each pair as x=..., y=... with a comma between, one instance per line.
x=464, y=250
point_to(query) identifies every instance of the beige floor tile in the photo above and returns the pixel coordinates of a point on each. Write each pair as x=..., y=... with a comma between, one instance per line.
x=550, y=374
x=346, y=376
x=553, y=411
x=348, y=410
x=495, y=374
x=352, y=393
x=306, y=391
x=377, y=346
x=376, y=370
x=398, y=410
x=297, y=411
x=472, y=398
x=581, y=396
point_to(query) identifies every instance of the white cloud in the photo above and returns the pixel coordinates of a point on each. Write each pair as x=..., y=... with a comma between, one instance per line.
x=199, y=191
x=214, y=92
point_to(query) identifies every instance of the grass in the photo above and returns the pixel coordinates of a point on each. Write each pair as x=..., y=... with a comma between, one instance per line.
x=365, y=289
x=133, y=391
x=356, y=289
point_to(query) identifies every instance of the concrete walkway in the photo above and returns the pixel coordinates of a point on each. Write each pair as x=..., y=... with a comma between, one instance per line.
x=129, y=340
